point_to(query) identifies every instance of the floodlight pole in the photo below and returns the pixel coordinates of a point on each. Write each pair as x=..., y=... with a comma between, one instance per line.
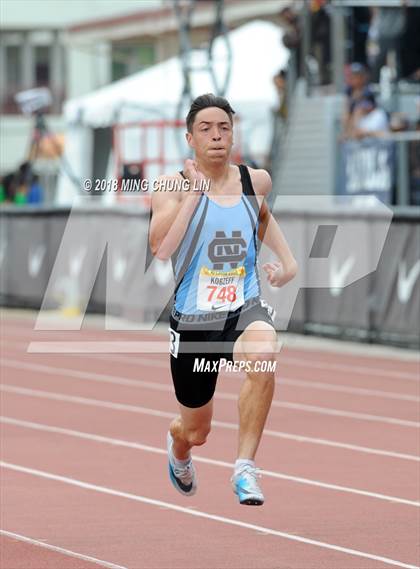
x=338, y=42
x=184, y=10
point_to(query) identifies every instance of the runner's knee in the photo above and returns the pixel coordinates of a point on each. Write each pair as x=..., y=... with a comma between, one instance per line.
x=263, y=351
x=197, y=437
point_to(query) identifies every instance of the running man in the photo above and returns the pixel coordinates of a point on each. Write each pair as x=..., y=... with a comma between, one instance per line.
x=212, y=237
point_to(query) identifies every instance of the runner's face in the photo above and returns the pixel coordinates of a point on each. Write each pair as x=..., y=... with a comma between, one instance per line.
x=212, y=135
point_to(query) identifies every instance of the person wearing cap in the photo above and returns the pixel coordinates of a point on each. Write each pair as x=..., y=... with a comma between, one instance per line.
x=368, y=119
x=357, y=88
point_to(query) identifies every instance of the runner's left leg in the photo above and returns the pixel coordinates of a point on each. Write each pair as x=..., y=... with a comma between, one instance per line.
x=256, y=344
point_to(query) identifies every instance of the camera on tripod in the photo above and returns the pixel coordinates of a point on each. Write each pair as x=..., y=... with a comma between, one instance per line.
x=34, y=101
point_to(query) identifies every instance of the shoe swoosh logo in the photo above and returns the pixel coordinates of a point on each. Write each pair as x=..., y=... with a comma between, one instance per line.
x=184, y=487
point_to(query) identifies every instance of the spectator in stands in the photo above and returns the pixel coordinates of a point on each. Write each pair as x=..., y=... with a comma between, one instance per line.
x=397, y=30
x=279, y=120
x=292, y=37
x=390, y=27
x=2, y=191
x=368, y=119
x=321, y=38
x=22, y=181
x=357, y=88
x=362, y=16
x=22, y=186
x=398, y=122
x=35, y=193
x=16, y=184
x=280, y=82
x=24, y=173
x=9, y=183
x=410, y=48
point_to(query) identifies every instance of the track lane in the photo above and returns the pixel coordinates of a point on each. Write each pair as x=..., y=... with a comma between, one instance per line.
x=144, y=530
x=23, y=552
x=392, y=475
x=286, y=394
x=337, y=466
x=334, y=360
x=366, y=382
x=290, y=511
x=398, y=438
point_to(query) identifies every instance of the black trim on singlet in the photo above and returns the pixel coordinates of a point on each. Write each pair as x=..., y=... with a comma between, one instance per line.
x=251, y=219
x=248, y=188
x=249, y=192
x=254, y=236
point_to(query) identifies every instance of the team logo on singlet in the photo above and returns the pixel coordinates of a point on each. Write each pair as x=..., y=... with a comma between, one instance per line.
x=224, y=249
x=220, y=289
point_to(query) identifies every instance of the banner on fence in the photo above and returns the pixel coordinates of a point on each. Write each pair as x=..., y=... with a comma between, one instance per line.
x=367, y=168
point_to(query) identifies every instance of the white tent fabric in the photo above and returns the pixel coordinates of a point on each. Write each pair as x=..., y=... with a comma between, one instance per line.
x=257, y=54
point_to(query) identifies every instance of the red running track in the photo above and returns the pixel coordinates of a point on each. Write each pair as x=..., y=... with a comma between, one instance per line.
x=84, y=472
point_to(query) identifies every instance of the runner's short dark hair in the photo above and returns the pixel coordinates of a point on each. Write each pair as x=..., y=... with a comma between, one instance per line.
x=205, y=101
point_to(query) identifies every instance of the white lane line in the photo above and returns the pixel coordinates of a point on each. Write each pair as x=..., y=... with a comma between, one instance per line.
x=329, y=411
x=280, y=380
x=346, y=389
x=91, y=376
x=222, y=424
x=347, y=414
x=364, y=370
x=220, y=394
x=137, y=446
x=128, y=347
x=99, y=347
x=20, y=537
x=200, y=514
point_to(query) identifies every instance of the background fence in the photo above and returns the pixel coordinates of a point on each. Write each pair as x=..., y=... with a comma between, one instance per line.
x=382, y=306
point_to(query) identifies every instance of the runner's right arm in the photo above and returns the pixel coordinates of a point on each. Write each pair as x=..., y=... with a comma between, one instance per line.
x=171, y=214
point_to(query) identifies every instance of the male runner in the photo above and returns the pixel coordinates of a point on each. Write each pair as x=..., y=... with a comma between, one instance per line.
x=212, y=238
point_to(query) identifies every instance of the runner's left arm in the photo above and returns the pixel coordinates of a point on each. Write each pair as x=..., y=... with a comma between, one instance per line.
x=269, y=233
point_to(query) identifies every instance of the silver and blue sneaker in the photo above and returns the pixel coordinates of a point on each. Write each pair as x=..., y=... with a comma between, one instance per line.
x=183, y=478
x=245, y=486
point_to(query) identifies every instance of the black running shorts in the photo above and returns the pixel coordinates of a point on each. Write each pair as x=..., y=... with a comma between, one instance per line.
x=195, y=387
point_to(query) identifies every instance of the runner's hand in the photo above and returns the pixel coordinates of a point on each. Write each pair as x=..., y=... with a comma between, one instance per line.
x=276, y=275
x=192, y=173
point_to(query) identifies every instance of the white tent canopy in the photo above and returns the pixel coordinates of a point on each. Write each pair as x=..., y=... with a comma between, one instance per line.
x=257, y=54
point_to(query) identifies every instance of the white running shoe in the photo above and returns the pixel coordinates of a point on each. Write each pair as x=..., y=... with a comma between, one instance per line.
x=245, y=485
x=182, y=477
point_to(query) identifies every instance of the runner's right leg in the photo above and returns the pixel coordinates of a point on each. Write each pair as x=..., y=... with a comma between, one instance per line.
x=190, y=428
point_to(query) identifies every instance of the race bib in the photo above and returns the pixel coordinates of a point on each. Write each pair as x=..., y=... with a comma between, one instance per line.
x=173, y=342
x=220, y=290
